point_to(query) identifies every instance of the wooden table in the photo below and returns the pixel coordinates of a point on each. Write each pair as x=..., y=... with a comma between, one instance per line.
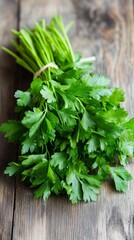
x=102, y=28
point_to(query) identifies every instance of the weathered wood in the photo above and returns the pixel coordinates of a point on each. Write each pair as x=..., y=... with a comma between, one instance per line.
x=8, y=20
x=103, y=29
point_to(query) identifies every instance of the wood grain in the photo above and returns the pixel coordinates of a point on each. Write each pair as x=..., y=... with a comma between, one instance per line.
x=8, y=20
x=104, y=29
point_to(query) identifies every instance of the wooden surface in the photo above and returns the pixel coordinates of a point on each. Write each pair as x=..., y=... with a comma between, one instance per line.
x=102, y=28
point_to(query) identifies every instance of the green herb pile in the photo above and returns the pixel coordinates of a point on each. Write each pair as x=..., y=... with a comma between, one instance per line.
x=73, y=132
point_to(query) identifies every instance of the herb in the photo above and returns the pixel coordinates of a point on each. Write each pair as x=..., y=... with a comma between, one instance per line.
x=73, y=132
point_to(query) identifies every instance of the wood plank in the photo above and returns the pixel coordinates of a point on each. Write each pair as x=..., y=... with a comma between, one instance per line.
x=103, y=29
x=8, y=20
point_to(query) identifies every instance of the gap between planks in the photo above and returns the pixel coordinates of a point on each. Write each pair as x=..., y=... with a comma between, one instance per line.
x=17, y=68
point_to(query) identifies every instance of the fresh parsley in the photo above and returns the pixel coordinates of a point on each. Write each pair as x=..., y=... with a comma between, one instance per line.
x=72, y=130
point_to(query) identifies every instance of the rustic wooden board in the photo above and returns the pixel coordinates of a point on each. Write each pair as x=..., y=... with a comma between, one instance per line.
x=8, y=20
x=106, y=30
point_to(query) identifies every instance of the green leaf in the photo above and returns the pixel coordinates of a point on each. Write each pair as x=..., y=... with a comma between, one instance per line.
x=96, y=80
x=36, y=86
x=103, y=144
x=32, y=117
x=35, y=127
x=72, y=141
x=75, y=193
x=40, y=164
x=86, y=121
x=53, y=119
x=13, y=130
x=32, y=159
x=99, y=93
x=47, y=131
x=129, y=124
x=104, y=171
x=28, y=145
x=59, y=159
x=44, y=190
x=47, y=94
x=12, y=169
x=89, y=192
x=39, y=172
x=92, y=144
x=126, y=143
x=63, y=145
x=57, y=185
x=117, y=96
x=33, y=120
x=121, y=176
x=23, y=98
x=93, y=180
x=69, y=77
x=80, y=186
x=115, y=115
x=67, y=117
x=78, y=89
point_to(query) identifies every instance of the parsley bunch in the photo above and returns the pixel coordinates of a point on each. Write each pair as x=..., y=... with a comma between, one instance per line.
x=73, y=132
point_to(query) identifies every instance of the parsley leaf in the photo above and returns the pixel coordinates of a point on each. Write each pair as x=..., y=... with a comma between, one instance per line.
x=47, y=94
x=13, y=130
x=23, y=98
x=12, y=169
x=44, y=190
x=121, y=176
x=59, y=159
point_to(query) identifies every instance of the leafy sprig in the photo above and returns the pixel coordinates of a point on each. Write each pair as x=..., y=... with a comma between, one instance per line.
x=73, y=132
